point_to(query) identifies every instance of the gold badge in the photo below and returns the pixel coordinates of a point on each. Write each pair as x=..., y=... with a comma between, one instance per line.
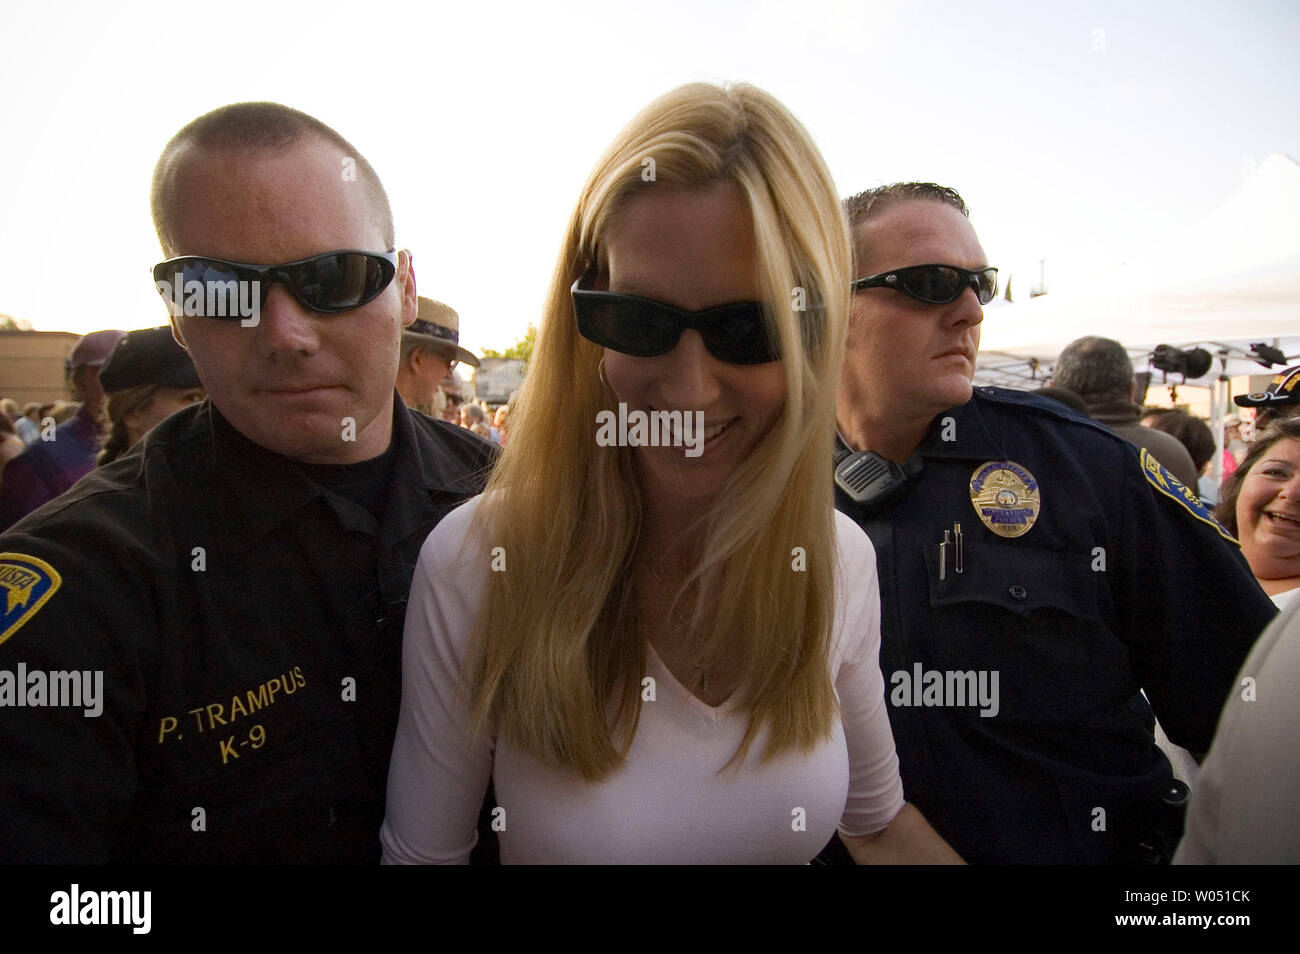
x=1005, y=496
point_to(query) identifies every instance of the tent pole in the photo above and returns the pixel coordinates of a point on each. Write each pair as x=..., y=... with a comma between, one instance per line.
x=1218, y=411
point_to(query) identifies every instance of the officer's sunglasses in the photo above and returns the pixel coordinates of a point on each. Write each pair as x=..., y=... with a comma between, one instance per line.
x=644, y=328
x=935, y=284
x=331, y=282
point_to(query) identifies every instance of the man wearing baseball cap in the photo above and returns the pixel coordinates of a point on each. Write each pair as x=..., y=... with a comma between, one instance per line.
x=50, y=466
x=1280, y=399
x=147, y=378
x=430, y=350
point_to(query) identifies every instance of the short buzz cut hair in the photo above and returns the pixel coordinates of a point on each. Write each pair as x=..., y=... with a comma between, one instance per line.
x=862, y=206
x=268, y=127
x=1094, y=368
x=859, y=208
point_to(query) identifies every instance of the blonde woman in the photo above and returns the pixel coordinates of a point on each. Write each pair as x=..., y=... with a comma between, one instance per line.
x=664, y=654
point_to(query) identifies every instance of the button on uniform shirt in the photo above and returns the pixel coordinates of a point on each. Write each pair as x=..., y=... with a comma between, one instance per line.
x=239, y=626
x=1119, y=584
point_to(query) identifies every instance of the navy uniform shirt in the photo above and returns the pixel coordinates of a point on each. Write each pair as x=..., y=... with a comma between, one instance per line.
x=1119, y=584
x=245, y=624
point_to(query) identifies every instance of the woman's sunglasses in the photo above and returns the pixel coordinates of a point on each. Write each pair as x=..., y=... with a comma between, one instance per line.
x=936, y=284
x=643, y=327
x=332, y=282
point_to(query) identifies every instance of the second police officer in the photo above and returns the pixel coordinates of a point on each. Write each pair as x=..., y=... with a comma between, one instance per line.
x=1037, y=572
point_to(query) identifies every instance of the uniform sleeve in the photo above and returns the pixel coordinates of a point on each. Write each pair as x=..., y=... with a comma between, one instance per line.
x=77, y=617
x=438, y=774
x=1187, y=603
x=875, y=787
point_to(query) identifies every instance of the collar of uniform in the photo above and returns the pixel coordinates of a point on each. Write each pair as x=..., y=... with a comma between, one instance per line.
x=270, y=489
x=422, y=453
x=961, y=432
x=267, y=487
x=421, y=470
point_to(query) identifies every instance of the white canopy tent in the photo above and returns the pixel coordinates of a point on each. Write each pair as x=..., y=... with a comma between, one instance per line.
x=1229, y=282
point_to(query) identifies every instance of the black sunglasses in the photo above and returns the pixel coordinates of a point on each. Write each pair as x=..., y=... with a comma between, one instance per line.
x=936, y=284
x=331, y=282
x=643, y=327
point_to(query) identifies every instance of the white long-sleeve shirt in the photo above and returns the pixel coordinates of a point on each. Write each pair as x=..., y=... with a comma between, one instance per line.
x=668, y=802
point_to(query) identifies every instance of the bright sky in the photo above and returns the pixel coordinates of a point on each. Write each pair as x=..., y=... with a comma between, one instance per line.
x=1077, y=132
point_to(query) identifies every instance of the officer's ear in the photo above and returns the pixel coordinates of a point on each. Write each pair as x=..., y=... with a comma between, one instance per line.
x=176, y=332
x=406, y=285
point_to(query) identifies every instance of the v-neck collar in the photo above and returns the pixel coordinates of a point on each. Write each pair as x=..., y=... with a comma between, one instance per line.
x=715, y=714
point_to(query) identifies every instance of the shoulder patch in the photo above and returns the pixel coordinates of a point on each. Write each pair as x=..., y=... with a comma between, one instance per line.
x=26, y=583
x=1176, y=490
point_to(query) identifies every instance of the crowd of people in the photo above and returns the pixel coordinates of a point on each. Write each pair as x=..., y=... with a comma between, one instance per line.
x=873, y=614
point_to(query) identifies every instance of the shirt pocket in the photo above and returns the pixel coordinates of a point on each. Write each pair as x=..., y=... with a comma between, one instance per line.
x=1034, y=616
x=280, y=806
x=1027, y=582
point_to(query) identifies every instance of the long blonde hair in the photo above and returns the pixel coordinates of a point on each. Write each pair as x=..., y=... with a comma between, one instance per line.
x=557, y=663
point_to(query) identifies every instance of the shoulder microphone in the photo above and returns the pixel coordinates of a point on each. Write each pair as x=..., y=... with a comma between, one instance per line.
x=870, y=480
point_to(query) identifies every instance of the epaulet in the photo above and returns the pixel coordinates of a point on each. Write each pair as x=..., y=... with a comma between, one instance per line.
x=1037, y=404
x=462, y=437
x=462, y=457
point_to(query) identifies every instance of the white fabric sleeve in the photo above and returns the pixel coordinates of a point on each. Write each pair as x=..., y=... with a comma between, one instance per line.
x=1243, y=806
x=438, y=774
x=875, y=786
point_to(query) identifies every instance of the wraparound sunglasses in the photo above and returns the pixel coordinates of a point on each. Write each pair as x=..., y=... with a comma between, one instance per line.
x=935, y=284
x=331, y=282
x=644, y=327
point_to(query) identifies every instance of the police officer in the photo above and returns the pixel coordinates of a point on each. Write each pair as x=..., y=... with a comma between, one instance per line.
x=1036, y=571
x=200, y=647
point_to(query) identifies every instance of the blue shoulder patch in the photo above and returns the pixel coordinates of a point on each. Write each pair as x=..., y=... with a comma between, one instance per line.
x=1176, y=490
x=26, y=583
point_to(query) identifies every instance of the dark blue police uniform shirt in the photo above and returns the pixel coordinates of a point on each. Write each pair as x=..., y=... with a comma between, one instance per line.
x=1116, y=587
x=247, y=622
